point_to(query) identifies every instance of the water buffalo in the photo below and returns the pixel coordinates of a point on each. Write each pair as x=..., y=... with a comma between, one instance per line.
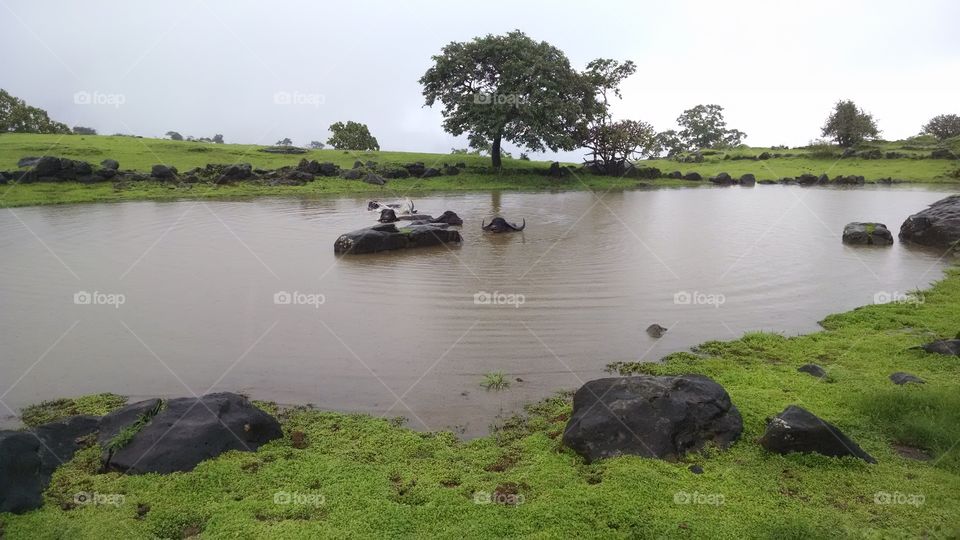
x=448, y=217
x=403, y=207
x=388, y=215
x=499, y=225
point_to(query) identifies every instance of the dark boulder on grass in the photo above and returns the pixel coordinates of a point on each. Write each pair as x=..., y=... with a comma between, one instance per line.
x=748, y=180
x=329, y=169
x=807, y=179
x=374, y=179
x=163, y=172
x=451, y=171
x=851, y=180
x=556, y=171
x=937, y=226
x=942, y=153
x=27, y=161
x=310, y=166
x=141, y=439
x=812, y=369
x=949, y=347
x=694, y=176
x=868, y=234
x=352, y=174
x=235, y=173
x=676, y=175
x=659, y=417
x=798, y=430
x=28, y=459
x=110, y=164
x=901, y=378
x=389, y=237
x=723, y=179
x=415, y=169
x=430, y=172
x=21, y=480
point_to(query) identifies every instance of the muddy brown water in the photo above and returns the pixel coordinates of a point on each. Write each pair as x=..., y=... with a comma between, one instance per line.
x=401, y=333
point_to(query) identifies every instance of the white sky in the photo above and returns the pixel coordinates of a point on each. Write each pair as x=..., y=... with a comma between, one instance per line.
x=201, y=67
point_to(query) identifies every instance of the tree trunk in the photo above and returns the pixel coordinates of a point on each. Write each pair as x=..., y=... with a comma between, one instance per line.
x=495, y=151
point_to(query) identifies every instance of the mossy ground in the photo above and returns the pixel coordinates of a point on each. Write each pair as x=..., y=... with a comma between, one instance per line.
x=354, y=476
x=140, y=154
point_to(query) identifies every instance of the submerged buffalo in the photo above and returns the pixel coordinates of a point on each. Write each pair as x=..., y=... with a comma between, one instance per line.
x=403, y=207
x=499, y=225
x=389, y=215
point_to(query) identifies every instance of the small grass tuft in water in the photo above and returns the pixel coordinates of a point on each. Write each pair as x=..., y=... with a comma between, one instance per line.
x=495, y=380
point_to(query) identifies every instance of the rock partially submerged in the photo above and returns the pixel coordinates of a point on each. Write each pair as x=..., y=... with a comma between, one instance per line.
x=655, y=330
x=938, y=225
x=868, y=234
x=659, y=417
x=388, y=237
x=182, y=432
x=798, y=430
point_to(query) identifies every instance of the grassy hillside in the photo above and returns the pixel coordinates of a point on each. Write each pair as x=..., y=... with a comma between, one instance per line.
x=363, y=477
x=141, y=154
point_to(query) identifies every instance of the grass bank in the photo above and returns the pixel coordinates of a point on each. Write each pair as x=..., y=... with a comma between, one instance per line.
x=354, y=476
x=141, y=154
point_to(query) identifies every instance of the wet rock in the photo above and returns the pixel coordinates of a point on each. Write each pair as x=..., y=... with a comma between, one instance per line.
x=660, y=417
x=676, y=175
x=388, y=237
x=938, y=225
x=430, y=172
x=415, y=169
x=870, y=234
x=798, y=430
x=807, y=179
x=823, y=179
x=950, y=347
x=655, y=330
x=235, y=173
x=812, y=369
x=311, y=166
x=352, y=174
x=163, y=172
x=901, y=378
x=21, y=480
x=767, y=181
x=185, y=432
x=329, y=169
x=694, y=176
x=62, y=439
x=748, y=180
x=451, y=171
x=28, y=161
x=722, y=179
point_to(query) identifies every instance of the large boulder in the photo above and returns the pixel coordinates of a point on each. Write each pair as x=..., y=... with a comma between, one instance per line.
x=163, y=172
x=694, y=176
x=110, y=164
x=798, y=430
x=748, y=179
x=950, y=347
x=659, y=417
x=21, y=481
x=807, y=179
x=871, y=234
x=938, y=225
x=375, y=179
x=430, y=172
x=388, y=237
x=182, y=432
x=723, y=179
x=28, y=458
x=352, y=174
x=235, y=172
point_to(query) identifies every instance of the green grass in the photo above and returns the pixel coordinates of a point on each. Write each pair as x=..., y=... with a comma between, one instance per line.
x=495, y=380
x=125, y=435
x=141, y=154
x=355, y=476
x=48, y=411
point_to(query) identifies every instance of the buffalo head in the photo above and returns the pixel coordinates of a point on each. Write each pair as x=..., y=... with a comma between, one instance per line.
x=388, y=215
x=499, y=225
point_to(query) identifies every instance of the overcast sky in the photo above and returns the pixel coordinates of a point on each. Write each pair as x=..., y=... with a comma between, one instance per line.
x=201, y=67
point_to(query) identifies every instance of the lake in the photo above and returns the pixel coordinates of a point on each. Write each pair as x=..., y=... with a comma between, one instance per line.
x=173, y=298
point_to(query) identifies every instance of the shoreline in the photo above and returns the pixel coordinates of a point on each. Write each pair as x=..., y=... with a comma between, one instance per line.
x=356, y=457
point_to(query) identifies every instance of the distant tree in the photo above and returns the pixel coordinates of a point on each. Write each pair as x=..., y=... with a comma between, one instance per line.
x=80, y=130
x=174, y=136
x=352, y=136
x=509, y=88
x=849, y=125
x=17, y=116
x=943, y=126
x=317, y=145
x=524, y=156
x=218, y=138
x=703, y=127
x=284, y=142
x=459, y=151
x=669, y=143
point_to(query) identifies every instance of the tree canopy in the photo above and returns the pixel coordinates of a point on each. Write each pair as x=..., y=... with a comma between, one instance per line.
x=510, y=88
x=703, y=126
x=943, y=126
x=352, y=136
x=849, y=125
x=174, y=136
x=17, y=116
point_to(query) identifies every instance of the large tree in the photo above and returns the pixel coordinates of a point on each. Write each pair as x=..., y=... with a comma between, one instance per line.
x=510, y=88
x=17, y=116
x=849, y=124
x=704, y=127
x=943, y=126
x=352, y=136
